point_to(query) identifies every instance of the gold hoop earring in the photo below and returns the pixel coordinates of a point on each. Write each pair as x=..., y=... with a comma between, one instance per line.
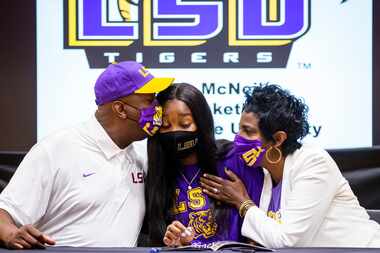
x=279, y=155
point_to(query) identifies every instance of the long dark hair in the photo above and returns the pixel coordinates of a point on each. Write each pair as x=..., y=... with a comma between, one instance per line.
x=163, y=169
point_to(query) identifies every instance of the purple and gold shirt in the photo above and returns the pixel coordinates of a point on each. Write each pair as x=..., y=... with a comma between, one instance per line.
x=192, y=206
x=274, y=208
x=253, y=179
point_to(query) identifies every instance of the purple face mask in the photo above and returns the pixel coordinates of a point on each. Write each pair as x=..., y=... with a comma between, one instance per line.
x=151, y=118
x=251, y=151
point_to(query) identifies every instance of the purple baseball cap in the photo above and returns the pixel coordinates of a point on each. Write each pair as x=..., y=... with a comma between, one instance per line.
x=124, y=78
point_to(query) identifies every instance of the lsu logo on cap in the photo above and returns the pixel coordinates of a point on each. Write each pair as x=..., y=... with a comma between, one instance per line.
x=186, y=34
x=143, y=72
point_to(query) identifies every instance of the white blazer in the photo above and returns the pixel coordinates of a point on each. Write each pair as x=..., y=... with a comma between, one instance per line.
x=318, y=207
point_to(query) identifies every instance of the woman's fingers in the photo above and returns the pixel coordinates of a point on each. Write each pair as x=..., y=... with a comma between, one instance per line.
x=189, y=236
x=177, y=232
x=167, y=241
x=171, y=236
x=179, y=227
x=184, y=231
x=213, y=195
x=211, y=189
x=231, y=175
x=171, y=240
x=230, y=191
x=210, y=183
x=216, y=179
x=174, y=230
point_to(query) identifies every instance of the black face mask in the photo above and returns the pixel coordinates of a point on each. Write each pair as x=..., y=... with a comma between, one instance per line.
x=179, y=143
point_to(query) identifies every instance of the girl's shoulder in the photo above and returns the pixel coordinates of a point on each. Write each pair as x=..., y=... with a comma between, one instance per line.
x=223, y=148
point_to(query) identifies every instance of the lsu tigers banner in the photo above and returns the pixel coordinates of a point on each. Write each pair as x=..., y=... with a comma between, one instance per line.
x=319, y=50
x=187, y=34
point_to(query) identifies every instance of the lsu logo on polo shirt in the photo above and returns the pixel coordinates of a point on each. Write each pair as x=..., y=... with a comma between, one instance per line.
x=186, y=34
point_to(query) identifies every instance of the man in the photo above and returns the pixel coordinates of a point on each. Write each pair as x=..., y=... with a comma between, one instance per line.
x=84, y=186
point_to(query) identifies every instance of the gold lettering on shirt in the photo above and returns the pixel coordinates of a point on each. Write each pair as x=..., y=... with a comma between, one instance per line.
x=275, y=216
x=179, y=207
x=196, y=198
x=203, y=223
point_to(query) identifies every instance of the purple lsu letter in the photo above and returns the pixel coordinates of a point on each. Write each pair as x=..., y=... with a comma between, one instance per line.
x=92, y=22
x=292, y=19
x=206, y=19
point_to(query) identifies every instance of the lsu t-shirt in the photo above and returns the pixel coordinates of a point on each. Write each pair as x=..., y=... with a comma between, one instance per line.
x=274, y=208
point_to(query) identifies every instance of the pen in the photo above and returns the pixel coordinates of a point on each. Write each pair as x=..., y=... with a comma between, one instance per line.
x=154, y=250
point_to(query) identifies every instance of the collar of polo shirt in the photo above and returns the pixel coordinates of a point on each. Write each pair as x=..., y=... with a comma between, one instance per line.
x=104, y=141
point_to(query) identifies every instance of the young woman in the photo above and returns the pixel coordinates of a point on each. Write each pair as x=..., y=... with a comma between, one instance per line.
x=306, y=199
x=178, y=211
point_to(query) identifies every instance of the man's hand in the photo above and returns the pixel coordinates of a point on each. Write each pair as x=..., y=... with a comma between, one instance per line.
x=178, y=235
x=231, y=191
x=26, y=237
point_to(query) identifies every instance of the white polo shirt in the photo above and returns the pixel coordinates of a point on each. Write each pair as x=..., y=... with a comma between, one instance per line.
x=80, y=188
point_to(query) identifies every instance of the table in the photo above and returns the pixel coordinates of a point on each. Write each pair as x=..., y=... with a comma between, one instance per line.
x=148, y=250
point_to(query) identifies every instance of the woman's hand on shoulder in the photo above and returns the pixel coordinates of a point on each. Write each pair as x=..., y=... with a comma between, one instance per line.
x=178, y=235
x=231, y=191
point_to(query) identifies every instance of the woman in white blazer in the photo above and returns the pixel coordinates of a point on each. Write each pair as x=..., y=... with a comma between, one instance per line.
x=305, y=201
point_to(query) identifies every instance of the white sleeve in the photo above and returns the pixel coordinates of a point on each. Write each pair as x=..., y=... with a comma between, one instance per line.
x=307, y=203
x=26, y=196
